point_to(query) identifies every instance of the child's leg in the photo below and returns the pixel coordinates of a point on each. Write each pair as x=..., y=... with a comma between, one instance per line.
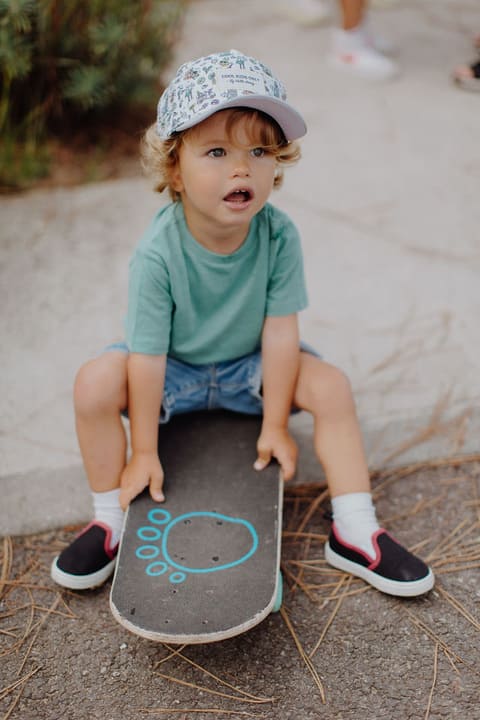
x=324, y=391
x=353, y=12
x=359, y=545
x=100, y=395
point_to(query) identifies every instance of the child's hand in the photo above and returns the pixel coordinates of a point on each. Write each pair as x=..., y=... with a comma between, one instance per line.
x=143, y=469
x=278, y=443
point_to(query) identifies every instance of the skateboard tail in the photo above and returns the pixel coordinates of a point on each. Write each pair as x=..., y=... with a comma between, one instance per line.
x=197, y=638
x=207, y=636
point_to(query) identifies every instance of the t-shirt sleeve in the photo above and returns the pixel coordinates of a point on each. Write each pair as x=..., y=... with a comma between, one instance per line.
x=149, y=314
x=287, y=293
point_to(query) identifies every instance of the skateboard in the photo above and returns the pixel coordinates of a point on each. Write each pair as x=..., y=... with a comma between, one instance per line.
x=204, y=565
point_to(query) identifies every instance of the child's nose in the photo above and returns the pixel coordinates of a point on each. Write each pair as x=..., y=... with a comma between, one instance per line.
x=240, y=167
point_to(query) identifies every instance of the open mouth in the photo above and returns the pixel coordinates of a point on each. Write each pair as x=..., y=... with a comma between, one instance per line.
x=239, y=196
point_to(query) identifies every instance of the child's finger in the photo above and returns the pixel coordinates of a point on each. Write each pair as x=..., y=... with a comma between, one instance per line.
x=156, y=488
x=126, y=496
x=288, y=469
x=262, y=460
x=130, y=488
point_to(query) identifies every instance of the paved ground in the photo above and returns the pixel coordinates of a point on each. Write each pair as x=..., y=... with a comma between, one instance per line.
x=385, y=200
x=385, y=197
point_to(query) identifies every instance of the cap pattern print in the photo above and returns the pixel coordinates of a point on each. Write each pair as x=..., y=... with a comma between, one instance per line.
x=226, y=79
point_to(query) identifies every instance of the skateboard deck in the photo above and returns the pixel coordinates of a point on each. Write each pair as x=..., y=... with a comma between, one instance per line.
x=204, y=565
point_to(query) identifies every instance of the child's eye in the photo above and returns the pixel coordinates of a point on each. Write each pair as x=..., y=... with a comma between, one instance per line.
x=216, y=152
x=258, y=152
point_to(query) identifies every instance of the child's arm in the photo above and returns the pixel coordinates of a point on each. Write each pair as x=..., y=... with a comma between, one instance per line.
x=146, y=377
x=280, y=364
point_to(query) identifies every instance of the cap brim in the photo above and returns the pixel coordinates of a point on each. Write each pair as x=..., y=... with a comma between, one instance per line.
x=290, y=121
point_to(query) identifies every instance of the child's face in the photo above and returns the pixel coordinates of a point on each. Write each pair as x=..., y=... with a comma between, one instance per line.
x=223, y=181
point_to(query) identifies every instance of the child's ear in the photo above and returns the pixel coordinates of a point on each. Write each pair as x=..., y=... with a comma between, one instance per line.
x=176, y=179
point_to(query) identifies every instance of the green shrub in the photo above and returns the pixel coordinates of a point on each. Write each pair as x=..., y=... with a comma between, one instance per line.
x=67, y=63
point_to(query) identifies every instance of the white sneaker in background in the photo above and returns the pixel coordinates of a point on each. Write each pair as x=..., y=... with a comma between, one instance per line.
x=305, y=12
x=378, y=42
x=353, y=52
x=382, y=45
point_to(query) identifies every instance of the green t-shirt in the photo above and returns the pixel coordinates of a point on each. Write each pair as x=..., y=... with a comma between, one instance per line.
x=202, y=307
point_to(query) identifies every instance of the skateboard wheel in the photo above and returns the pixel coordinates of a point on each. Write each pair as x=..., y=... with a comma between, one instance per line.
x=279, y=596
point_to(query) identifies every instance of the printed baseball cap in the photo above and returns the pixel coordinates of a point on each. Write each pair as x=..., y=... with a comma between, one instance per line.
x=224, y=80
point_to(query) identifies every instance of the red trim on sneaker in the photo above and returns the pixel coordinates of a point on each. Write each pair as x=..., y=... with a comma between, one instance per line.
x=358, y=550
x=107, y=546
x=378, y=553
x=373, y=564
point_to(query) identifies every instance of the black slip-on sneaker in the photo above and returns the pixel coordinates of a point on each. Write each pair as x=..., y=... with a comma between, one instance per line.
x=394, y=570
x=88, y=561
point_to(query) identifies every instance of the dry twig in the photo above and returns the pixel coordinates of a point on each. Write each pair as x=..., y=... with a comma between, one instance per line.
x=178, y=653
x=435, y=669
x=316, y=677
x=347, y=580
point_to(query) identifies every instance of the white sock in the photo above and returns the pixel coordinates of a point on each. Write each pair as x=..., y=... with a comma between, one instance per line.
x=360, y=38
x=349, y=41
x=107, y=510
x=355, y=519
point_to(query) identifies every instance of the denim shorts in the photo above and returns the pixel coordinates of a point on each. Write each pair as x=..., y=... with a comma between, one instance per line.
x=232, y=385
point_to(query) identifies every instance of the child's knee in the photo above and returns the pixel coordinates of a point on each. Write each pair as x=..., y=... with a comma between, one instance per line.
x=342, y=393
x=326, y=389
x=101, y=385
x=334, y=388
x=88, y=391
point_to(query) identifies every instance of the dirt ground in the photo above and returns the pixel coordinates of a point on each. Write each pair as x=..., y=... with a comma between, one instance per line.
x=337, y=650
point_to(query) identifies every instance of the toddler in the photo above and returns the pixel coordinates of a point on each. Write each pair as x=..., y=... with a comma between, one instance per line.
x=215, y=288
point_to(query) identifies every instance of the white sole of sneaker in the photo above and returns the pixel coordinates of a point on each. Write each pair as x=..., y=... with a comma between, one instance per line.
x=81, y=582
x=390, y=587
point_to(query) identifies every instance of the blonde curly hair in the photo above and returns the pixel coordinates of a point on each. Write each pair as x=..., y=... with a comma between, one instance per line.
x=160, y=157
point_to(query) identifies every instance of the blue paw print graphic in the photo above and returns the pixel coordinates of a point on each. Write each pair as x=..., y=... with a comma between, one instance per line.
x=172, y=545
